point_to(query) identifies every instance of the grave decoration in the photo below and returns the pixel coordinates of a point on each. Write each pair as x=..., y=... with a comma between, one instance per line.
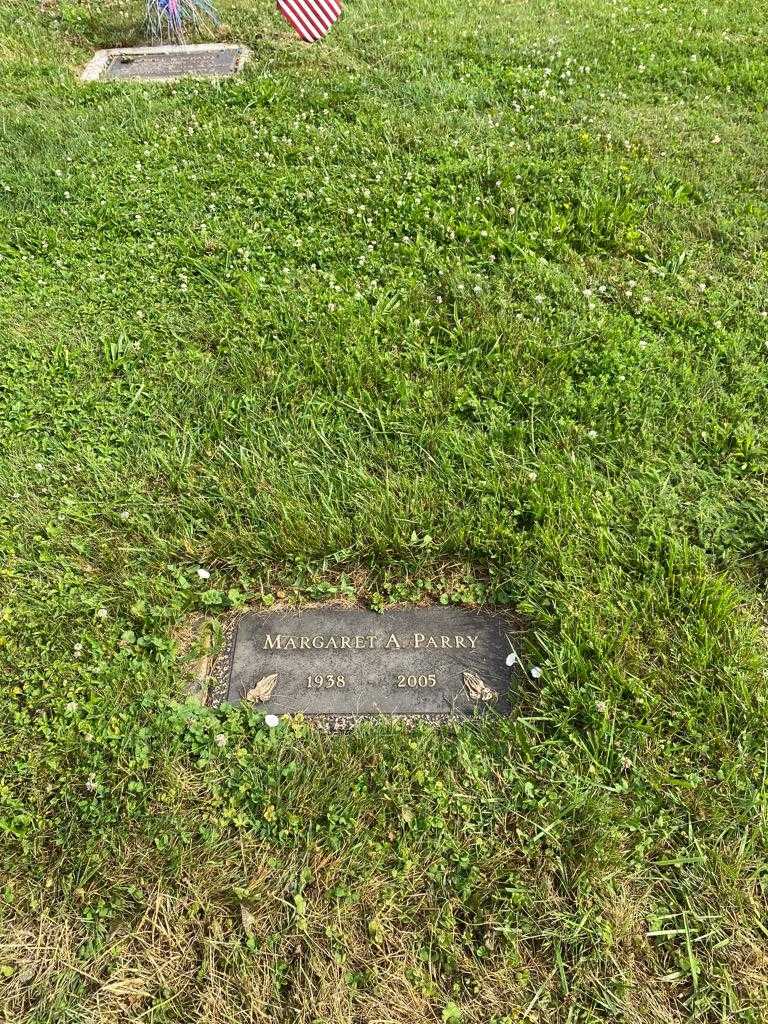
x=168, y=20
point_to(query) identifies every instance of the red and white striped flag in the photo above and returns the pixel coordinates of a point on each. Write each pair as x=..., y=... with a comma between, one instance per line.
x=312, y=19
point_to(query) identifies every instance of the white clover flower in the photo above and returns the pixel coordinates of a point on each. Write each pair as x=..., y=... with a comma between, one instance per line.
x=39, y=467
x=124, y=514
x=91, y=784
x=536, y=672
x=203, y=574
x=102, y=613
x=511, y=659
x=271, y=721
x=221, y=739
x=592, y=433
x=602, y=706
x=71, y=706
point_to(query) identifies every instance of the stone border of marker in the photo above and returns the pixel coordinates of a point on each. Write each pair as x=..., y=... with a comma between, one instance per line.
x=96, y=67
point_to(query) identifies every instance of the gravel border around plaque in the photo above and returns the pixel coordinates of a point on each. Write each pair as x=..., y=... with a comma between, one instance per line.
x=225, y=673
x=165, y=63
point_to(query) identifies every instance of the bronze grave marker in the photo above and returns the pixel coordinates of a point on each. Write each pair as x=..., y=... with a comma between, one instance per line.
x=165, y=63
x=341, y=664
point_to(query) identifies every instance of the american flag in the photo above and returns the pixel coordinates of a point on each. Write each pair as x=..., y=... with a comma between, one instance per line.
x=312, y=19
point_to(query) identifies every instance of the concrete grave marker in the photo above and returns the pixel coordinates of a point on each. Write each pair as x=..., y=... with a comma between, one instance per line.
x=165, y=63
x=340, y=664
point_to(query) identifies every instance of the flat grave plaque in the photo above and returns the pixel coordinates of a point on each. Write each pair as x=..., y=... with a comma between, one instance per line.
x=165, y=63
x=341, y=664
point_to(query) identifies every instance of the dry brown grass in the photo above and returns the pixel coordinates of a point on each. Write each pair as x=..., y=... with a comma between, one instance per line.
x=184, y=961
x=226, y=946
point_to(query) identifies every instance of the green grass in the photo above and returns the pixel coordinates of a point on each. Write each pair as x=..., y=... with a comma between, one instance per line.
x=467, y=303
